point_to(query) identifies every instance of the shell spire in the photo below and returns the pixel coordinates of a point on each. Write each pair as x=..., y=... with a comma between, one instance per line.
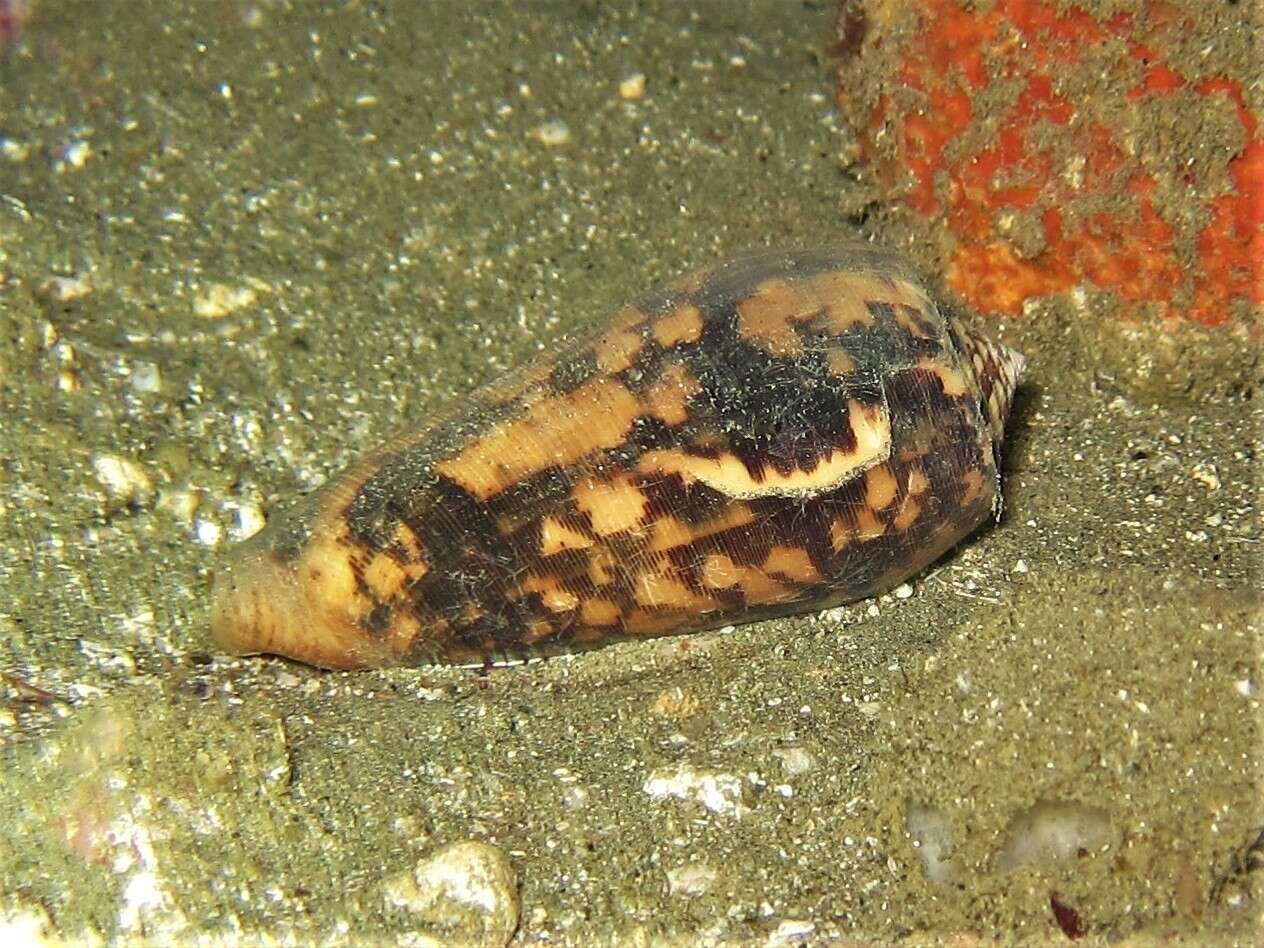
x=998, y=370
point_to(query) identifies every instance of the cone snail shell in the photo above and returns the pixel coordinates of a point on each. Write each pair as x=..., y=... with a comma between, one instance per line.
x=776, y=434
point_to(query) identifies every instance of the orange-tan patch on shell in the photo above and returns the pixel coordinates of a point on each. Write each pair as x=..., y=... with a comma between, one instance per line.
x=840, y=361
x=869, y=525
x=388, y=579
x=914, y=320
x=560, y=600
x=720, y=572
x=405, y=628
x=669, y=532
x=880, y=487
x=619, y=346
x=556, y=536
x=973, y=487
x=871, y=427
x=538, y=630
x=405, y=537
x=844, y=299
x=613, y=505
x=652, y=622
x=794, y=562
x=657, y=589
x=840, y=533
x=847, y=296
x=764, y=317
x=667, y=399
x=682, y=324
x=555, y=597
x=555, y=432
x=326, y=568
x=949, y=376
x=600, y=612
x=911, y=506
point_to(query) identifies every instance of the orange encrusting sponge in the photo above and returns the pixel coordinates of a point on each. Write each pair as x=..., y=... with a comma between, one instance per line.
x=1050, y=147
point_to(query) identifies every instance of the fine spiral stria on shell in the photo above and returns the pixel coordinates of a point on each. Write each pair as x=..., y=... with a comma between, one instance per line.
x=778, y=433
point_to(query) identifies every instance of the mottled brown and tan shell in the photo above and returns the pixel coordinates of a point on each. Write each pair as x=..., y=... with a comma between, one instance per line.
x=778, y=433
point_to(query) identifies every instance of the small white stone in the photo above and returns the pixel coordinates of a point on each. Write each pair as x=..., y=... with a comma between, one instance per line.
x=220, y=300
x=208, y=532
x=903, y=591
x=718, y=792
x=250, y=520
x=181, y=504
x=692, y=880
x=14, y=150
x=1206, y=474
x=576, y=798
x=77, y=153
x=465, y=893
x=552, y=133
x=794, y=760
x=792, y=931
x=123, y=479
x=66, y=289
x=146, y=377
x=632, y=87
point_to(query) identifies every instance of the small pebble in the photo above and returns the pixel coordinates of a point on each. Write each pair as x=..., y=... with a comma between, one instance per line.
x=794, y=760
x=249, y=521
x=466, y=893
x=718, y=792
x=146, y=377
x=66, y=289
x=633, y=87
x=792, y=931
x=692, y=880
x=123, y=479
x=220, y=300
x=552, y=133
